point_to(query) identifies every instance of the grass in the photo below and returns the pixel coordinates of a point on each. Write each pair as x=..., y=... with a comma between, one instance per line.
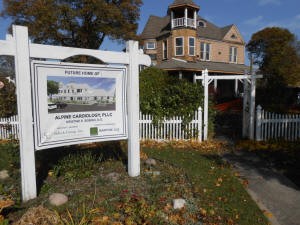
x=213, y=194
x=221, y=194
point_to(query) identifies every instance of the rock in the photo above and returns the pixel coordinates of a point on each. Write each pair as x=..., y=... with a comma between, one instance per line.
x=113, y=176
x=150, y=162
x=153, y=173
x=58, y=199
x=178, y=203
x=4, y=174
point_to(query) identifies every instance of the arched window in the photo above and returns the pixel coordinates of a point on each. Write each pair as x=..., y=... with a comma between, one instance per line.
x=201, y=23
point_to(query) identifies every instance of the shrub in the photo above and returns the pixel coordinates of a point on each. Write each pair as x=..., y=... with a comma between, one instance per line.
x=76, y=166
x=8, y=99
x=164, y=95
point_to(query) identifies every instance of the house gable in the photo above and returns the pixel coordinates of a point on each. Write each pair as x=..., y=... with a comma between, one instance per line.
x=233, y=35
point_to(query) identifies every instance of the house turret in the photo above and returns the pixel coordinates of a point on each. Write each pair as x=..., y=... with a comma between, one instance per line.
x=183, y=13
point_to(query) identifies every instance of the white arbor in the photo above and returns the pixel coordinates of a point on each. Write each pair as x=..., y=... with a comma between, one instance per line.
x=249, y=82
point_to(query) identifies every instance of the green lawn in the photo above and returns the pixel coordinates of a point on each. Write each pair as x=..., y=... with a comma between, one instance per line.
x=214, y=195
x=220, y=194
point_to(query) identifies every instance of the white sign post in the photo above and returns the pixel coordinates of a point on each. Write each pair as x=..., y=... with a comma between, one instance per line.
x=20, y=47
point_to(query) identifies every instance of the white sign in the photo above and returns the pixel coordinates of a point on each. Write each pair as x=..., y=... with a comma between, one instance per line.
x=78, y=103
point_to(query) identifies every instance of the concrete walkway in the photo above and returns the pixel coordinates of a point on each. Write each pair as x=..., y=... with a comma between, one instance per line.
x=273, y=192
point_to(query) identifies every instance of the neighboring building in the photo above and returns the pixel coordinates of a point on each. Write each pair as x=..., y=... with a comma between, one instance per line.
x=83, y=94
x=184, y=43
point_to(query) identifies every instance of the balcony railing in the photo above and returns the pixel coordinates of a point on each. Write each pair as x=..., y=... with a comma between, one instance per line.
x=183, y=22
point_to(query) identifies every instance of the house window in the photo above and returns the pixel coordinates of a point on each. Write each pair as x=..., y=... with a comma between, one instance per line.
x=179, y=46
x=205, y=51
x=79, y=90
x=165, y=49
x=233, y=36
x=233, y=54
x=191, y=46
x=150, y=45
x=201, y=24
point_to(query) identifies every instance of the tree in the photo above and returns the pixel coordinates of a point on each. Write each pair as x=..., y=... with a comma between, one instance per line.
x=274, y=51
x=52, y=88
x=7, y=66
x=77, y=23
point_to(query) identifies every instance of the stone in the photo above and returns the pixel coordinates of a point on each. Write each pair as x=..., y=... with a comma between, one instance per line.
x=58, y=199
x=153, y=173
x=113, y=176
x=150, y=162
x=178, y=203
x=4, y=174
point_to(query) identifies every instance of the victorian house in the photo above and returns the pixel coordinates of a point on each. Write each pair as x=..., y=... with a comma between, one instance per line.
x=183, y=43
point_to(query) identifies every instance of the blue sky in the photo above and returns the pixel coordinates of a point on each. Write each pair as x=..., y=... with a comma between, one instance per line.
x=249, y=15
x=94, y=82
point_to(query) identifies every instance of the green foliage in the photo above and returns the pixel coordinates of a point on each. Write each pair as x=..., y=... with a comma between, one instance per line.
x=8, y=99
x=163, y=95
x=275, y=52
x=52, y=87
x=9, y=155
x=76, y=166
x=75, y=23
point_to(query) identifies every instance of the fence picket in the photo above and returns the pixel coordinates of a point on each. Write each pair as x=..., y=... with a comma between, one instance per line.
x=172, y=128
x=275, y=126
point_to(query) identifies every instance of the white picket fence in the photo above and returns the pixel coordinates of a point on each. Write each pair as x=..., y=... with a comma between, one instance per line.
x=9, y=128
x=165, y=130
x=276, y=126
x=171, y=129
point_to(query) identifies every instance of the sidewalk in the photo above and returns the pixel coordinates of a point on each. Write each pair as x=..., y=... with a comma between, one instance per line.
x=272, y=191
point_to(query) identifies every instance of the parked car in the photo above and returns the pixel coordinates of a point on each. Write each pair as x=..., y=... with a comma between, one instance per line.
x=52, y=106
x=61, y=105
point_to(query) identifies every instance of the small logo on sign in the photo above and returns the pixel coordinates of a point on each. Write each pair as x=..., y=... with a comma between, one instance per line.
x=93, y=131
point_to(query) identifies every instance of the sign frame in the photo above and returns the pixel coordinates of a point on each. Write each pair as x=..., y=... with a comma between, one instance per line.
x=40, y=69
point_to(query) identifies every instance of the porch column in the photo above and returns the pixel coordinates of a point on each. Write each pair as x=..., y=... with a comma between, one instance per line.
x=185, y=16
x=172, y=17
x=236, y=87
x=180, y=75
x=215, y=84
x=195, y=19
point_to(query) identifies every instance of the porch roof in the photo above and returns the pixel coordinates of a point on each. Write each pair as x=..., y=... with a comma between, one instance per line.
x=197, y=66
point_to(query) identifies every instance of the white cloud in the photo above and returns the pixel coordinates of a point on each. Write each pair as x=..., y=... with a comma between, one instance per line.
x=254, y=21
x=267, y=2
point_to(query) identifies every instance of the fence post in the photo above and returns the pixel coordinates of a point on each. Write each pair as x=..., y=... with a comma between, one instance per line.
x=258, y=123
x=199, y=120
x=22, y=67
x=205, y=119
x=133, y=110
x=252, y=106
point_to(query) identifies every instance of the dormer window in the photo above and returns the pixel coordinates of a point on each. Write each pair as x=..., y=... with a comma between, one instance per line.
x=150, y=45
x=201, y=23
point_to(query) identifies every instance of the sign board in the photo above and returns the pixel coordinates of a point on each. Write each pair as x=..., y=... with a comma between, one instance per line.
x=78, y=103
